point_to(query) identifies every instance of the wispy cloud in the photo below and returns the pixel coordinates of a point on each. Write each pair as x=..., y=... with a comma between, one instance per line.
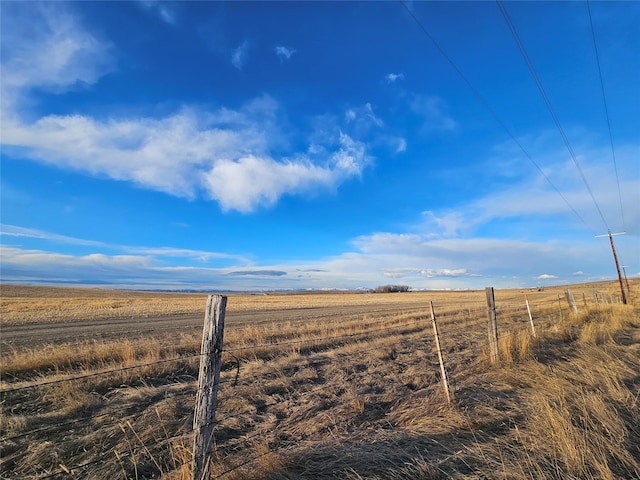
x=393, y=77
x=401, y=145
x=239, y=56
x=362, y=119
x=142, y=251
x=43, y=46
x=17, y=231
x=201, y=256
x=130, y=271
x=43, y=266
x=223, y=154
x=433, y=111
x=284, y=53
x=160, y=8
x=524, y=203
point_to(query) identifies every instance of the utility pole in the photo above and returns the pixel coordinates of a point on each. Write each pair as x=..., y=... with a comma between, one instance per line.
x=626, y=280
x=615, y=257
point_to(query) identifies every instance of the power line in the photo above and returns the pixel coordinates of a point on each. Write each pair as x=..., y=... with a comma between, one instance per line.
x=606, y=110
x=488, y=107
x=534, y=74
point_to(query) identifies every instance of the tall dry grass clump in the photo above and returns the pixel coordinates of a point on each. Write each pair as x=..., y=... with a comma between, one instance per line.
x=516, y=346
x=584, y=415
x=599, y=326
x=580, y=412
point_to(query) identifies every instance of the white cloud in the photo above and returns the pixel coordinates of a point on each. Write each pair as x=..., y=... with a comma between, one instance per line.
x=63, y=263
x=284, y=53
x=546, y=276
x=186, y=153
x=239, y=56
x=43, y=46
x=394, y=274
x=579, y=273
x=251, y=181
x=445, y=272
x=224, y=153
x=427, y=272
x=392, y=77
x=401, y=146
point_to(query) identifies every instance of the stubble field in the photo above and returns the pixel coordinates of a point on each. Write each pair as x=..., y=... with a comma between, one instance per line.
x=101, y=384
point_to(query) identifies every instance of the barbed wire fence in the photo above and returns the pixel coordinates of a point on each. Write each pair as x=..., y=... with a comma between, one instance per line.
x=144, y=428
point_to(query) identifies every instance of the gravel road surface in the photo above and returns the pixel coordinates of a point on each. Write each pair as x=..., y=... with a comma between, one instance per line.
x=29, y=335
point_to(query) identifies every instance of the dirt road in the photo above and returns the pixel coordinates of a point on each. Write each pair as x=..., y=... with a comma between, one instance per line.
x=19, y=336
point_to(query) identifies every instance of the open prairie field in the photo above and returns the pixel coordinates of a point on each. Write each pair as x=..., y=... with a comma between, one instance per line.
x=31, y=316
x=101, y=384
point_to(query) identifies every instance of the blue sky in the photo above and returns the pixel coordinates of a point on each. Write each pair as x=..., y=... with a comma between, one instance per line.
x=244, y=146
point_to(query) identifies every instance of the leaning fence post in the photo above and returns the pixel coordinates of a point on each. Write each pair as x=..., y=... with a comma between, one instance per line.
x=595, y=299
x=571, y=300
x=493, y=326
x=442, y=370
x=533, y=329
x=204, y=416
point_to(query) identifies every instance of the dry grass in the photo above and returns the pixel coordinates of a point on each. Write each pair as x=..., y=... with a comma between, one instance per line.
x=358, y=397
x=24, y=304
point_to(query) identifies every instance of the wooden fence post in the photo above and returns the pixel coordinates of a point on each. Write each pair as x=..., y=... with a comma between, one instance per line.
x=560, y=307
x=204, y=416
x=533, y=328
x=493, y=326
x=442, y=369
x=584, y=300
x=571, y=300
x=595, y=299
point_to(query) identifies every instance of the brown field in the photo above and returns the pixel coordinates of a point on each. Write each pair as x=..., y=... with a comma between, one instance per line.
x=101, y=384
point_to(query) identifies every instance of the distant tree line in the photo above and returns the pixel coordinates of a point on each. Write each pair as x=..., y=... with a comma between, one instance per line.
x=390, y=289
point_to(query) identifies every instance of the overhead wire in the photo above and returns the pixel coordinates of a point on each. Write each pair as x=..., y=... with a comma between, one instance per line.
x=606, y=111
x=547, y=102
x=488, y=107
